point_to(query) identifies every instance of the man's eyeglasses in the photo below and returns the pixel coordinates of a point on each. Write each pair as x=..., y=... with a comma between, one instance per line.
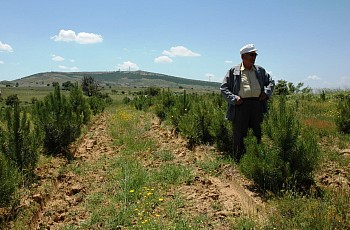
x=252, y=54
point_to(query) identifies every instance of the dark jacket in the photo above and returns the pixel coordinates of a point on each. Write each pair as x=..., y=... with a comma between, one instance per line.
x=231, y=85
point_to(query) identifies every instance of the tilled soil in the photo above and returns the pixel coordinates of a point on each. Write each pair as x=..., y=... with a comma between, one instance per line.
x=65, y=203
x=219, y=197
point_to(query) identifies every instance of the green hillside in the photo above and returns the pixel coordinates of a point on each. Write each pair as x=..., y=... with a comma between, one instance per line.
x=116, y=78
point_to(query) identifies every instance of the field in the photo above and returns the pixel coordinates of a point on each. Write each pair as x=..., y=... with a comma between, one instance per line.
x=132, y=170
x=117, y=93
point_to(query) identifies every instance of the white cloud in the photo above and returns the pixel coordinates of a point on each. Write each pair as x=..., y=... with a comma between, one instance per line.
x=68, y=68
x=127, y=65
x=313, y=78
x=81, y=38
x=228, y=62
x=316, y=82
x=5, y=47
x=72, y=60
x=163, y=59
x=88, y=38
x=57, y=58
x=180, y=51
x=1, y=62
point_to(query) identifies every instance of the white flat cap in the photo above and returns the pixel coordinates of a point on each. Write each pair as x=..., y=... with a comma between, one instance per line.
x=247, y=49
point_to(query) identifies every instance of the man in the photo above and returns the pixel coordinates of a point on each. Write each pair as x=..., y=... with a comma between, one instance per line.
x=246, y=88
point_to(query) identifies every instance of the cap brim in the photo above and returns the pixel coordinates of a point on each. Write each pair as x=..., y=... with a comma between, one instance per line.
x=254, y=50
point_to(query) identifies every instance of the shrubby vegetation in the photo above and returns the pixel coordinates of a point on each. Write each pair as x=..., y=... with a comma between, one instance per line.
x=200, y=118
x=9, y=180
x=20, y=142
x=50, y=125
x=284, y=161
x=343, y=118
x=60, y=125
x=289, y=152
x=19, y=150
x=287, y=88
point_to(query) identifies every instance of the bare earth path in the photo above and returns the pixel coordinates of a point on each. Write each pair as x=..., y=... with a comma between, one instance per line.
x=61, y=192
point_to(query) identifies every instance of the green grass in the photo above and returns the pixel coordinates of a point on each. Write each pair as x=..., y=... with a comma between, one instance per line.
x=212, y=165
x=171, y=173
x=163, y=155
x=26, y=95
x=136, y=196
x=299, y=212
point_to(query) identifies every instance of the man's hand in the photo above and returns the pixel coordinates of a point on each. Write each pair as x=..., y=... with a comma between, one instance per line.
x=262, y=97
x=239, y=100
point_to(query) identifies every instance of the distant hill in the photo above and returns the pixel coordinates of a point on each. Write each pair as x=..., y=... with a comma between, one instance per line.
x=116, y=78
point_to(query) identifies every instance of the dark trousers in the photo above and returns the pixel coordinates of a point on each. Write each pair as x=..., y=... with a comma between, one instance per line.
x=248, y=115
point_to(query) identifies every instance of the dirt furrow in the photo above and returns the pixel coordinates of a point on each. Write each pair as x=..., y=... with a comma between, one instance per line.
x=65, y=205
x=224, y=196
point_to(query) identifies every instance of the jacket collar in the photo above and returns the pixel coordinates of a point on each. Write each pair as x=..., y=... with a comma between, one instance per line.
x=237, y=69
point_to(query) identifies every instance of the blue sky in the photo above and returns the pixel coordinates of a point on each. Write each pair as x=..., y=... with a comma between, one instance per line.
x=297, y=41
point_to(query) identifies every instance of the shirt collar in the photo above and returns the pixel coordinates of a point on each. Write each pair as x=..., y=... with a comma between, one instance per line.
x=243, y=68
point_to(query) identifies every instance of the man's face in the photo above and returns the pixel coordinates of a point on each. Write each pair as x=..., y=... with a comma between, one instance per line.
x=249, y=59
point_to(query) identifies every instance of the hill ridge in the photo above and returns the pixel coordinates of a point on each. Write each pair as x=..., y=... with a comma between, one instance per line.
x=137, y=78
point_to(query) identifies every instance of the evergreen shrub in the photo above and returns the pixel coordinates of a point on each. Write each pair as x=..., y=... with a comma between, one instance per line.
x=20, y=141
x=126, y=100
x=287, y=155
x=343, y=118
x=164, y=104
x=195, y=124
x=143, y=102
x=79, y=105
x=9, y=180
x=178, y=109
x=221, y=130
x=58, y=122
x=97, y=105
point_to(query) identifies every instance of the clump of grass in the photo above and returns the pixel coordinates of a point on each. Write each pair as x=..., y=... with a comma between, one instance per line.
x=174, y=174
x=244, y=223
x=210, y=166
x=164, y=155
x=300, y=212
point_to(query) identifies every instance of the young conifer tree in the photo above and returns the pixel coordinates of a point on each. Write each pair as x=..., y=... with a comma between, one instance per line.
x=79, y=105
x=9, y=180
x=287, y=155
x=343, y=118
x=58, y=122
x=20, y=144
